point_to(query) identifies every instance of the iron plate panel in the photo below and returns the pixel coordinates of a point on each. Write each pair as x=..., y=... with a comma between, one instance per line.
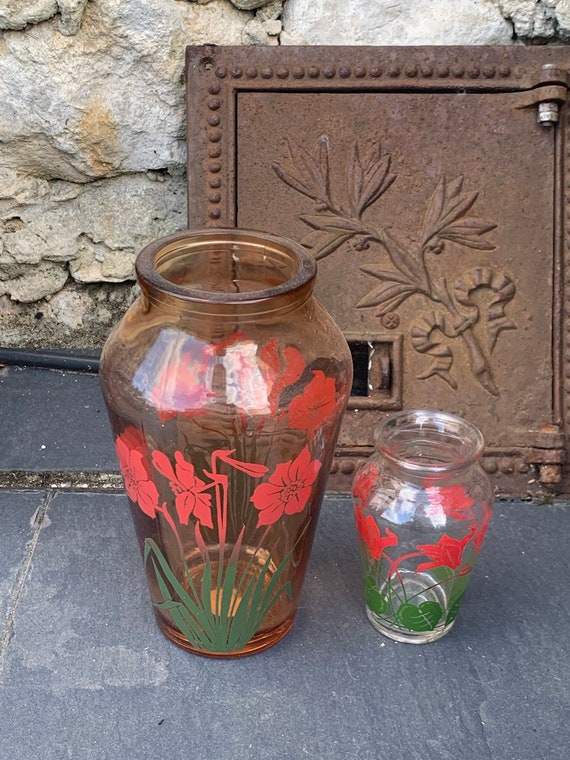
x=433, y=199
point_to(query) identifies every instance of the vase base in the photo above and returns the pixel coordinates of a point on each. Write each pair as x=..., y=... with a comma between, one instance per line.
x=258, y=643
x=408, y=637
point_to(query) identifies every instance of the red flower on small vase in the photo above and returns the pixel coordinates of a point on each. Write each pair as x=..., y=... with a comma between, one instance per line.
x=364, y=482
x=453, y=500
x=288, y=489
x=136, y=471
x=315, y=405
x=481, y=529
x=369, y=532
x=448, y=552
x=189, y=490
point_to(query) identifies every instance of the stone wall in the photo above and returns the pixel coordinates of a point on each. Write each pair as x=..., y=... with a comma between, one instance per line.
x=92, y=151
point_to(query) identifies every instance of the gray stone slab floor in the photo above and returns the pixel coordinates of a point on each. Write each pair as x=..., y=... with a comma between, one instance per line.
x=53, y=420
x=86, y=674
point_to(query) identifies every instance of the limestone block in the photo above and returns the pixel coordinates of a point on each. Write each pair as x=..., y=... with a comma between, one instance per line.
x=21, y=246
x=109, y=100
x=93, y=230
x=271, y=11
x=68, y=307
x=255, y=32
x=531, y=18
x=391, y=22
x=21, y=188
x=249, y=5
x=33, y=282
x=272, y=27
x=77, y=315
x=17, y=14
x=563, y=18
x=92, y=151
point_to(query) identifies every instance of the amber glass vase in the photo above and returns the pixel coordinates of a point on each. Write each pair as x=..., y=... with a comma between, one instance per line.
x=225, y=384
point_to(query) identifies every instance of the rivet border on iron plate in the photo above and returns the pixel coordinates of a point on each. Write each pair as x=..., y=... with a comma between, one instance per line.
x=565, y=256
x=392, y=71
x=226, y=78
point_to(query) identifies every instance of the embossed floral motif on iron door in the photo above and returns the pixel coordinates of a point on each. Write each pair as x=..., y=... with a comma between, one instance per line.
x=449, y=313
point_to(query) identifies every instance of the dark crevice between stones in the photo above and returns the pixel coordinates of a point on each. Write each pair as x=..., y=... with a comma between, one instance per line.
x=64, y=480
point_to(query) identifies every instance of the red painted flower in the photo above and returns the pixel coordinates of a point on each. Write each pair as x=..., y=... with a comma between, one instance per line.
x=370, y=533
x=280, y=368
x=364, y=482
x=188, y=489
x=220, y=346
x=288, y=489
x=481, y=530
x=315, y=405
x=448, y=551
x=453, y=500
x=136, y=471
x=250, y=468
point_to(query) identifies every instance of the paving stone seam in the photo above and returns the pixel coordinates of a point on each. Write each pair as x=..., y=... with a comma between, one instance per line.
x=26, y=564
x=60, y=480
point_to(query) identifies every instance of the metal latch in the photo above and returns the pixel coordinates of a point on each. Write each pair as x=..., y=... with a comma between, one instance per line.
x=548, y=94
x=377, y=362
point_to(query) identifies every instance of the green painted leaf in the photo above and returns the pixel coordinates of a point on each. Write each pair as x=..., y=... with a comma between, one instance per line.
x=207, y=590
x=375, y=601
x=239, y=631
x=424, y=617
x=167, y=605
x=191, y=611
x=255, y=604
x=229, y=592
x=183, y=619
x=369, y=582
x=456, y=594
x=240, y=605
x=269, y=597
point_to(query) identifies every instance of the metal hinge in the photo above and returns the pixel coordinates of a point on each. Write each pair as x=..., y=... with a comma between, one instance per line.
x=547, y=95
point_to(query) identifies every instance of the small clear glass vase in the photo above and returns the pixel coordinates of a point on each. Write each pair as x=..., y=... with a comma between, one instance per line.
x=422, y=507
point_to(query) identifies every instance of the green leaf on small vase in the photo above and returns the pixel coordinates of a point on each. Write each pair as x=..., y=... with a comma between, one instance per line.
x=456, y=593
x=454, y=609
x=369, y=582
x=424, y=617
x=375, y=601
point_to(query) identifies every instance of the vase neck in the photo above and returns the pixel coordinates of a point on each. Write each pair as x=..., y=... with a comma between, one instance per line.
x=226, y=273
x=428, y=444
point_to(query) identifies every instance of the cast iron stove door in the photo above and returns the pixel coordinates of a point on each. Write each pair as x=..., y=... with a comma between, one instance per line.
x=429, y=185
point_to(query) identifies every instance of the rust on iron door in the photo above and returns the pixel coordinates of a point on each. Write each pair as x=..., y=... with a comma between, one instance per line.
x=428, y=184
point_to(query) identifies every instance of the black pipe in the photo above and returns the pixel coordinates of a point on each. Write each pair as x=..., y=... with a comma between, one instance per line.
x=72, y=361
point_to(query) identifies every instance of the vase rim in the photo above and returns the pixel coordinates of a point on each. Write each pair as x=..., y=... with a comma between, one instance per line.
x=200, y=240
x=462, y=440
